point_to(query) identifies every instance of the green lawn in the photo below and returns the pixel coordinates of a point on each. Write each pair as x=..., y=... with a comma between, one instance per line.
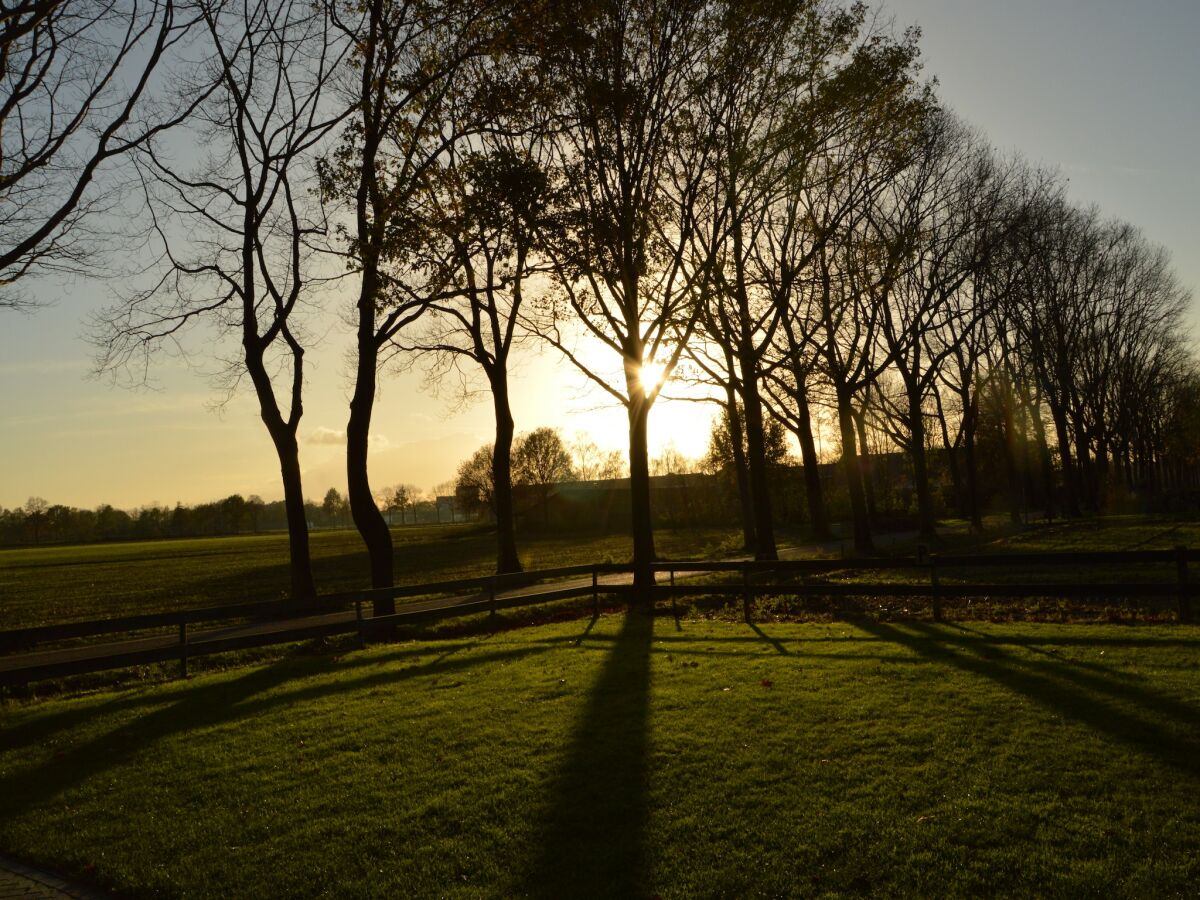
x=715, y=760
x=90, y=581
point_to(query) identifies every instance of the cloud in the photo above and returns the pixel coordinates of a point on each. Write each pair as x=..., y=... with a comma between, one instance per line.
x=336, y=437
x=323, y=435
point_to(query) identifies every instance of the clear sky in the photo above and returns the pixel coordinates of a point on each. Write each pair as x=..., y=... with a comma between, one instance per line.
x=1106, y=90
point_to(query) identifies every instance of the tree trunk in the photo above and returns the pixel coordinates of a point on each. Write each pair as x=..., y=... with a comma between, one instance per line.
x=858, y=501
x=1085, y=470
x=1043, y=449
x=926, y=524
x=1071, y=495
x=283, y=436
x=866, y=470
x=304, y=590
x=506, y=536
x=736, y=437
x=367, y=518
x=808, y=455
x=760, y=490
x=1010, y=459
x=639, y=492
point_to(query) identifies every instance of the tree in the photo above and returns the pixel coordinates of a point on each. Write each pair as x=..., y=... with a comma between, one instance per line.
x=845, y=289
x=473, y=488
x=541, y=460
x=333, y=506
x=720, y=456
x=490, y=206
x=766, y=111
x=590, y=463
x=75, y=79
x=942, y=216
x=35, y=516
x=410, y=54
x=244, y=262
x=254, y=507
x=627, y=78
x=233, y=510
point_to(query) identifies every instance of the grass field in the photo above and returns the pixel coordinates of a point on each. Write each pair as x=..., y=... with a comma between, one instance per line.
x=91, y=581
x=715, y=760
x=54, y=584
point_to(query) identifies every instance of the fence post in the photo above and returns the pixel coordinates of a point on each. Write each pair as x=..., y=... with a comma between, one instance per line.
x=362, y=640
x=183, y=660
x=595, y=592
x=1185, y=596
x=746, y=595
x=674, y=607
x=492, y=602
x=933, y=585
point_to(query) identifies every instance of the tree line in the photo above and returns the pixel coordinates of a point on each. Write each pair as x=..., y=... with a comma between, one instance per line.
x=766, y=198
x=41, y=522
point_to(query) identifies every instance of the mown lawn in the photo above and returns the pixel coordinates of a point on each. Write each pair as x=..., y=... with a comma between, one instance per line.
x=56, y=584
x=632, y=759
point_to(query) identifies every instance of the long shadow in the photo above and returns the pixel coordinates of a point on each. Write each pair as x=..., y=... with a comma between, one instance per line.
x=201, y=707
x=1074, y=694
x=774, y=642
x=46, y=725
x=592, y=835
x=996, y=641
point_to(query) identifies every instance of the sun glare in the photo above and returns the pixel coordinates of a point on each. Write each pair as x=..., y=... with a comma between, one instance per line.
x=653, y=375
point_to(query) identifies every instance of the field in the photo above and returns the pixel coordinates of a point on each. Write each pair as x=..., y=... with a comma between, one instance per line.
x=634, y=759
x=56, y=584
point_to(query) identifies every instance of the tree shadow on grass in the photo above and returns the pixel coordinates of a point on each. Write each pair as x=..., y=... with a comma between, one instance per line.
x=1162, y=727
x=592, y=835
x=257, y=692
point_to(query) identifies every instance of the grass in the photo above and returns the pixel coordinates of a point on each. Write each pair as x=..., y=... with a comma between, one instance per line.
x=57, y=584
x=629, y=758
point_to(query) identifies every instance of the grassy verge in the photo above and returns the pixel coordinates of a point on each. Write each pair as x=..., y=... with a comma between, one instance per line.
x=629, y=758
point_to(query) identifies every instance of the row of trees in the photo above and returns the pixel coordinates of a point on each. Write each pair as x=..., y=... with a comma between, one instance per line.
x=765, y=194
x=39, y=521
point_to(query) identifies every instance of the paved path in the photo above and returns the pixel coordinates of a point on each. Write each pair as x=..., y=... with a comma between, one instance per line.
x=21, y=882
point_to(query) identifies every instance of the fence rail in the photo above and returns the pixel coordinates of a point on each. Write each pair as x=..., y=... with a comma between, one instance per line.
x=266, y=623
x=935, y=588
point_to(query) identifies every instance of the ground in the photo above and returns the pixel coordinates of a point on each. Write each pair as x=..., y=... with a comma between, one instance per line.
x=635, y=758
x=95, y=581
x=39, y=585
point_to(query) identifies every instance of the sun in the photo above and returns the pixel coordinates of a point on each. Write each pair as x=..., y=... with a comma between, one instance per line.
x=653, y=375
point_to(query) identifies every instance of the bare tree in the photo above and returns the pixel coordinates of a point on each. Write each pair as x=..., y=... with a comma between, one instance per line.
x=943, y=214
x=845, y=290
x=243, y=264
x=491, y=203
x=75, y=83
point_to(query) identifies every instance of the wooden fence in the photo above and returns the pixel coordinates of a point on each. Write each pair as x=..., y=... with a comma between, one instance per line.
x=248, y=625
x=933, y=569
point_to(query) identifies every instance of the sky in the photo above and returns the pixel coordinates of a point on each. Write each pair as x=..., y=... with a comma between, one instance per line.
x=1104, y=90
